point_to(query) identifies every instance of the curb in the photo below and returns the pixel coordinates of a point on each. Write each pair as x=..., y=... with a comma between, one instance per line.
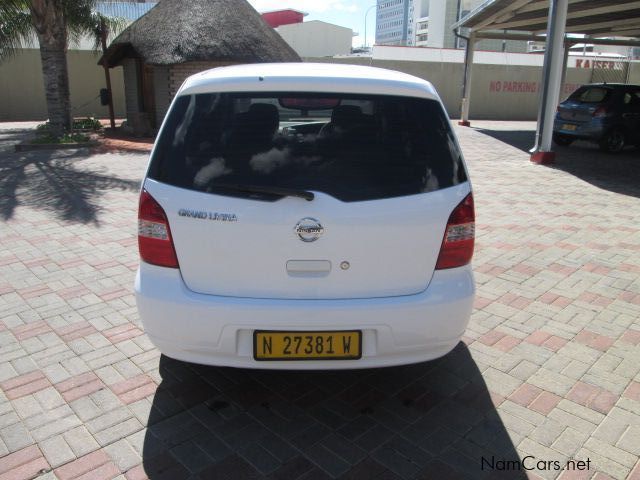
x=29, y=147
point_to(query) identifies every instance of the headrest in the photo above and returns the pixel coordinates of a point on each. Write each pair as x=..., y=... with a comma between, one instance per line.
x=346, y=115
x=264, y=114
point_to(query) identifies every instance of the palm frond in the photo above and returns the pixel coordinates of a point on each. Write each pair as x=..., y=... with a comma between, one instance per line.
x=10, y=7
x=16, y=29
x=84, y=21
x=113, y=25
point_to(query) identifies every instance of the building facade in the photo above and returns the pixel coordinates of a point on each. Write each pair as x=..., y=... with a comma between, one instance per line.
x=309, y=39
x=427, y=23
x=441, y=15
x=316, y=38
x=416, y=22
x=393, y=23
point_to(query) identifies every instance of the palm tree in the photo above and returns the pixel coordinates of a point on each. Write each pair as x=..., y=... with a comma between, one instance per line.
x=53, y=22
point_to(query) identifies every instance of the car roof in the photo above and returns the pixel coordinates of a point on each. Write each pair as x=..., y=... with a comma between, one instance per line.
x=307, y=77
x=612, y=85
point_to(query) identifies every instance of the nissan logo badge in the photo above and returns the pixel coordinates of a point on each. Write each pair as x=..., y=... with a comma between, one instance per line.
x=309, y=229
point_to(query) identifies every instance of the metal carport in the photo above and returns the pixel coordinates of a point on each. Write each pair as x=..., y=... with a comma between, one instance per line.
x=527, y=20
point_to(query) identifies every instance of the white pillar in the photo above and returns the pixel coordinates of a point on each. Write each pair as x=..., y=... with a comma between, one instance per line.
x=551, y=80
x=466, y=82
x=565, y=64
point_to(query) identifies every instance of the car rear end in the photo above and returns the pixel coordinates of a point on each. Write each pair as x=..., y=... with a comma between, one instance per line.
x=305, y=216
x=586, y=114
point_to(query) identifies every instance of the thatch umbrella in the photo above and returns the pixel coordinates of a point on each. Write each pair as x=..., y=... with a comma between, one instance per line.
x=179, y=31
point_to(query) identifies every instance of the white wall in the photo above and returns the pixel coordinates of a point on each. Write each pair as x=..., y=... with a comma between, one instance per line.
x=22, y=95
x=616, y=49
x=421, y=54
x=317, y=39
x=505, y=86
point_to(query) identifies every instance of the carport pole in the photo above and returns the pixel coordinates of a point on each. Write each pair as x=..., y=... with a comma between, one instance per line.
x=565, y=64
x=466, y=82
x=551, y=79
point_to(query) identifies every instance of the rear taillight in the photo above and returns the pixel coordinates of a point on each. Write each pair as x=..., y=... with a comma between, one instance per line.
x=154, y=235
x=457, y=245
x=600, y=112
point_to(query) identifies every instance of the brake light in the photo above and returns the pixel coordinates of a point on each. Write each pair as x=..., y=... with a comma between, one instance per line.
x=154, y=236
x=457, y=245
x=600, y=112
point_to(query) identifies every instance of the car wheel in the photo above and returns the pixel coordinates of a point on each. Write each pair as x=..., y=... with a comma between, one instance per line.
x=562, y=140
x=614, y=141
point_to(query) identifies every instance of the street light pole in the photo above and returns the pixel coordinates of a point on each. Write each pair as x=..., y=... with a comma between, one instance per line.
x=365, y=23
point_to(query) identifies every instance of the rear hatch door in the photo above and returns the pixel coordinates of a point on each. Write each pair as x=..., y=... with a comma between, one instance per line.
x=582, y=104
x=252, y=248
x=385, y=173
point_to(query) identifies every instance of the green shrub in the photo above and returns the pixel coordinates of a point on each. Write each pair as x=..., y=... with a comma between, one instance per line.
x=89, y=123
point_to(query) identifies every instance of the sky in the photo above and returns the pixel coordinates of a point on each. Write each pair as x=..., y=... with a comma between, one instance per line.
x=346, y=13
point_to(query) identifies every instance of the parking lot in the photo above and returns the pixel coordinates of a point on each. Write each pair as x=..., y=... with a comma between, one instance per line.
x=548, y=373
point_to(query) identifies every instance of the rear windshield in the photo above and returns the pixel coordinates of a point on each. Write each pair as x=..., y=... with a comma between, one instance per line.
x=352, y=147
x=591, y=94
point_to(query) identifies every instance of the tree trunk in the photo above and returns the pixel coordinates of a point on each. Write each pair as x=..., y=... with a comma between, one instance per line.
x=50, y=24
x=104, y=33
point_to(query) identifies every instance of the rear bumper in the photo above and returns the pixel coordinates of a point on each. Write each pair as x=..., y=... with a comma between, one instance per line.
x=215, y=330
x=591, y=130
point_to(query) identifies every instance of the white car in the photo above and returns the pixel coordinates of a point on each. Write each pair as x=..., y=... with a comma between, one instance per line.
x=305, y=216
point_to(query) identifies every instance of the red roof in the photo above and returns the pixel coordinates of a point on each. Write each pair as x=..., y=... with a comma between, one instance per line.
x=283, y=17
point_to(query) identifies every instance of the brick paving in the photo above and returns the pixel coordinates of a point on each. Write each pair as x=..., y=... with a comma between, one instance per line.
x=121, y=143
x=549, y=367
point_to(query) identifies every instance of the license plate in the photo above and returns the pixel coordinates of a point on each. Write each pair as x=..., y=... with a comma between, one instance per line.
x=569, y=127
x=279, y=345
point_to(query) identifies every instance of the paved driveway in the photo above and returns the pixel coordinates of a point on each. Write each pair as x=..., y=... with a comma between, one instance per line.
x=548, y=371
x=13, y=133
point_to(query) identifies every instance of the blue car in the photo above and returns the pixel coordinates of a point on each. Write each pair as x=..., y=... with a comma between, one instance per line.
x=605, y=113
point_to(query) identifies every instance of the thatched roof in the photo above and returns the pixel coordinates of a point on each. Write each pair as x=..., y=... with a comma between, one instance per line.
x=178, y=31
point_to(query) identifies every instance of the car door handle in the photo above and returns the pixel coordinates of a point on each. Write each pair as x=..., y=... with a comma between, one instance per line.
x=301, y=268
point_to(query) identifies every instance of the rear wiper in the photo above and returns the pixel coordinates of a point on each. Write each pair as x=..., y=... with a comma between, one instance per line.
x=281, y=191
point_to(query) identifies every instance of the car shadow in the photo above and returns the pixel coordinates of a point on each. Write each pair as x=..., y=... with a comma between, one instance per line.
x=55, y=181
x=619, y=173
x=434, y=420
